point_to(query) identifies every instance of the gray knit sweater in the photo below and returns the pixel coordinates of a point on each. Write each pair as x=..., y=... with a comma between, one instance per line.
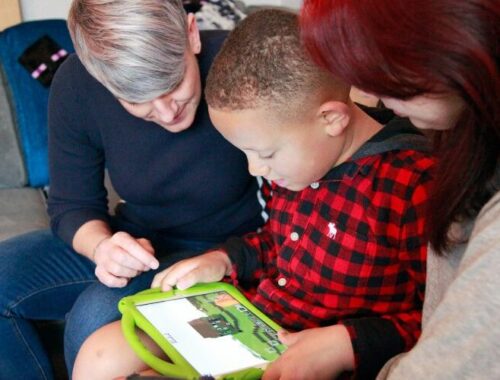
x=461, y=318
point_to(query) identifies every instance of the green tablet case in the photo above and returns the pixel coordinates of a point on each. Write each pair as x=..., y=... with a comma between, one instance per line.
x=179, y=367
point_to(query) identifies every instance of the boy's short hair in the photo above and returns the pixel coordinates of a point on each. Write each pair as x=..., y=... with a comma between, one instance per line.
x=262, y=63
x=135, y=48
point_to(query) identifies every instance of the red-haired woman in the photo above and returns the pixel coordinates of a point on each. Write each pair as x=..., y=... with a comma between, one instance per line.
x=437, y=63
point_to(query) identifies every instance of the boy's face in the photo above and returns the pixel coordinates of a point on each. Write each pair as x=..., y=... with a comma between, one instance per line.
x=293, y=154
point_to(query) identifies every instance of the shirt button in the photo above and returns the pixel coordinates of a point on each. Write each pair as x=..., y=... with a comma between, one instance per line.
x=314, y=185
x=294, y=236
x=282, y=281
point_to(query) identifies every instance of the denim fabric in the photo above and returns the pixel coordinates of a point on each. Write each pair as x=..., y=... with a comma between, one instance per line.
x=41, y=278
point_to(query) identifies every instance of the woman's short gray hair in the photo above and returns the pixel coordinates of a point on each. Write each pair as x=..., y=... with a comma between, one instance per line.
x=135, y=48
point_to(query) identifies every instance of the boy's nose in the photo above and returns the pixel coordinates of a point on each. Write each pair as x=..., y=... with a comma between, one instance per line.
x=256, y=169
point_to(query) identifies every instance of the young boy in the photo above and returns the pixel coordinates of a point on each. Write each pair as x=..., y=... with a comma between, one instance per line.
x=342, y=256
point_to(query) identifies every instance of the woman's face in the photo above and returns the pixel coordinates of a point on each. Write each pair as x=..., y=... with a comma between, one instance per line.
x=176, y=110
x=428, y=111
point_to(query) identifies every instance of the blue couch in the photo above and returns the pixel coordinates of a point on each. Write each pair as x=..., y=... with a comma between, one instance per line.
x=23, y=149
x=23, y=127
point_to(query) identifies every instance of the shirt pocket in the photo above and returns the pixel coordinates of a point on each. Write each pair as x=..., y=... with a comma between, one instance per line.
x=336, y=258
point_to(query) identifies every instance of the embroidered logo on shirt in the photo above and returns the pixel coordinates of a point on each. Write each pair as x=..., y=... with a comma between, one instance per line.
x=332, y=230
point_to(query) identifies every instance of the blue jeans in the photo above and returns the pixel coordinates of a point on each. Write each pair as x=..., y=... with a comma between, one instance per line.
x=42, y=278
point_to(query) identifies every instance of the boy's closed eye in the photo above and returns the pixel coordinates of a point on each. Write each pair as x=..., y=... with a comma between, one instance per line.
x=266, y=156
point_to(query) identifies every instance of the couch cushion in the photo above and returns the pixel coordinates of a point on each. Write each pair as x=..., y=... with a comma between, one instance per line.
x=29, y=97
x=12, y=172
x=21, y=210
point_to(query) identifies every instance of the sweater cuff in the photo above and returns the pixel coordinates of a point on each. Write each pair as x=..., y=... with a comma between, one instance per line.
x=374, y=341
x=241, y=259
x=66, y=227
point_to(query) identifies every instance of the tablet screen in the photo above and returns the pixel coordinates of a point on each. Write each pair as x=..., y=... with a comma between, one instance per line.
x=215, y=333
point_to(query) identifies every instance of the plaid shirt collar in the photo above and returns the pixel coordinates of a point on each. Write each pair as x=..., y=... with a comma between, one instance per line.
x=399, y=134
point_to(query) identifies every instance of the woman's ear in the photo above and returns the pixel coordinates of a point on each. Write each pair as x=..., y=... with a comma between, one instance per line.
x=193, y=34
x=335, y=117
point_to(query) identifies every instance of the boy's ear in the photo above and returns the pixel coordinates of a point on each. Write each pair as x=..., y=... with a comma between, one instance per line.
x=193, y=34
x=335, y=117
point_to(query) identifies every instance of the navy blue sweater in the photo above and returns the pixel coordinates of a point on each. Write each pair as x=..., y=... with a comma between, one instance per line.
x=191, y=184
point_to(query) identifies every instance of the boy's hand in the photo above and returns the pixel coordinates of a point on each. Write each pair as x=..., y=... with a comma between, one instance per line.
x=209, y=267
x=122, y=257
x=320, y=353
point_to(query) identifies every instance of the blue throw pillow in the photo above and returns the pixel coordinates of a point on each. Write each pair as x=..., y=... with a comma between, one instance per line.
x=28, y=96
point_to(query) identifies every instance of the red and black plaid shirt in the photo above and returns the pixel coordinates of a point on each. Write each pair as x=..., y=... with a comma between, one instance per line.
x=348, y=249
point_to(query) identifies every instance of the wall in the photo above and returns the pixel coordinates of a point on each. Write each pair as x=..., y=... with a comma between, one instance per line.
x=285, y=3
x=43, y=9
x=10, y=13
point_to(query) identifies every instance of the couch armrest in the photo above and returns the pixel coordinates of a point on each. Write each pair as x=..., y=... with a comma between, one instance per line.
x=22, y=210
x=12, y=170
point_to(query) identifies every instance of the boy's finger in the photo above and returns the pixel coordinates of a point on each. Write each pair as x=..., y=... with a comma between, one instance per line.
x=170, y=280
x=164, y=280
x=272, y=371
x=179, y=270
x=189, y=279
x=200, y=275
x=157, y=280
x=287, y=338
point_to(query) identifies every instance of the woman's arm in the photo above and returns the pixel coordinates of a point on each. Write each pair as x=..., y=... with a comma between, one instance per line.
x=461, y=337
x=77, y=201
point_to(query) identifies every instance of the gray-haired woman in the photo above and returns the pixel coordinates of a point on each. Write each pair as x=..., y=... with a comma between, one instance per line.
x=130, y=101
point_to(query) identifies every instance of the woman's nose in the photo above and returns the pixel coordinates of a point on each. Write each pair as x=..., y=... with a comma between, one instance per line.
x=165, y=109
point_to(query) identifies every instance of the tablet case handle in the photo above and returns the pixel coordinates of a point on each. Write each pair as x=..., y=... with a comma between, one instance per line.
x=179, y=368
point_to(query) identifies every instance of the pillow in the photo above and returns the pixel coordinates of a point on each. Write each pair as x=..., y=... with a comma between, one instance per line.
x=219, y=14
x=28, y=97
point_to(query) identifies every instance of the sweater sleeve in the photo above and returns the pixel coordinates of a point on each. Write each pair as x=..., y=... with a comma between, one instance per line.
x=376, y=339
x=76, y=165
x=460, y=338
x=250, y=254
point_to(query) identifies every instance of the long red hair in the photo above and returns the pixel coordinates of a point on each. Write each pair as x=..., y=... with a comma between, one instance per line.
x=405, y=48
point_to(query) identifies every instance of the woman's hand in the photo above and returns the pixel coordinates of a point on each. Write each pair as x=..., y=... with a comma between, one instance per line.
x=320, y=353
x=211, y=266
x=120, y=257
